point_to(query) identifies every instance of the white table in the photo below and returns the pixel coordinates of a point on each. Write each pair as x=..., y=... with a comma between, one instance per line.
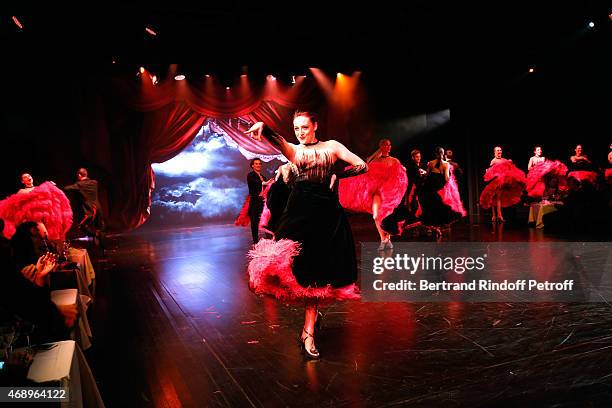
x=64, y=365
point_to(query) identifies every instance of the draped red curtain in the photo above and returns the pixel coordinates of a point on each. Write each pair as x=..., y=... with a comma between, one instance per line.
x=165, y=132
x=157, y=122
x=235, y=129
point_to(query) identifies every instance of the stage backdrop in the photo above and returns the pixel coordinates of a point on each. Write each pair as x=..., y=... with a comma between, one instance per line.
x=206, y=182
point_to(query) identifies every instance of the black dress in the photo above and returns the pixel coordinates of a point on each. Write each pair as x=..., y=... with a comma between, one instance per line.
x=439, y=203
x=434, y=210
x=313, y=254
x=276, y=201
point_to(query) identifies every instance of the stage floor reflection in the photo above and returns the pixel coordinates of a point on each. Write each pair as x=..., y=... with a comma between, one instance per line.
x=176, y=325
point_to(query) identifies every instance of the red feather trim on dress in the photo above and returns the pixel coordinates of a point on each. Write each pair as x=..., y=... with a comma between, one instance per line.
x=390, y=182
x=450, y=194
x=265, y=214
x=243, y=219
x=507, y=181
x=583, y=175
x=535, y=178
x=45, y=203
x=270, y=273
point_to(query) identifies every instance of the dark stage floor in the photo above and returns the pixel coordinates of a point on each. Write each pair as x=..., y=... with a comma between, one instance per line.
x=176, y=325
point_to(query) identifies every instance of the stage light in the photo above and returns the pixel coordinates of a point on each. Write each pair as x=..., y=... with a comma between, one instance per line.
x=293, y=79
x=17, y=23
x=142, y=70
x=243, y=76
x=610, y=16
x=227, y=88
x=531, y=70
x=154, y=80
x=591, y=24
x=271, y=78
x=114, y=61
x=207, y=76
x=148, y=30
x=179, y=77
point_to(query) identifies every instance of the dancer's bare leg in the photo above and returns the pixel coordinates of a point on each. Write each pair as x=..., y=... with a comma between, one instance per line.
x=376, y=202
x=499, y=207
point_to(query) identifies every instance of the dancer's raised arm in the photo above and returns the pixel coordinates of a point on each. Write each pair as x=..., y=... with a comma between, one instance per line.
x=259, y=129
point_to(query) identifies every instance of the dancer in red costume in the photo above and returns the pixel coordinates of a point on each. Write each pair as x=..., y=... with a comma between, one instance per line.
x=378, y=191
x=581, y=168
x=536, y=159
x=312, y=257
x=543, y=173
x=579, y=161
x=506, y=184
x=45, y=203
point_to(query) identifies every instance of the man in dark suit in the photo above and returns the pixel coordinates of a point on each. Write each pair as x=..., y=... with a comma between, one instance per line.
x=87, y=189
x=255, y=180
x=416, y=172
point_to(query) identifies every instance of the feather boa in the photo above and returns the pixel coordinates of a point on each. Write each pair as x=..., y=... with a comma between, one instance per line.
x=45, y=203
x=270, y=273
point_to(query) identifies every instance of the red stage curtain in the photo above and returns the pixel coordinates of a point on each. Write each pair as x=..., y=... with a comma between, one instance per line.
x=158, y=136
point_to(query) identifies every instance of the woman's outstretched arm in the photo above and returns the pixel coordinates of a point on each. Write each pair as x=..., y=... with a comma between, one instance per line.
x=259, y=129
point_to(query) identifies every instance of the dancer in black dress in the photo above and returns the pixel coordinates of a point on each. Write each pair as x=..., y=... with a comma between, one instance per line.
x=438, y=203
x=312, y=256
x=439, y=196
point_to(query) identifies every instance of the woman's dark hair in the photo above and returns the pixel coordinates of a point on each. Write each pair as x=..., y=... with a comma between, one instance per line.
x=254, y=160
x=310, y=115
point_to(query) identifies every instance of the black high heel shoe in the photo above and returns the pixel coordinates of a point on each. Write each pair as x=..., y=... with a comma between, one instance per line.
x=312, y=353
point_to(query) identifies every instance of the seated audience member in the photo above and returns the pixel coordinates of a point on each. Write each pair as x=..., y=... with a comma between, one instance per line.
x=29, y=243
x=25, y=296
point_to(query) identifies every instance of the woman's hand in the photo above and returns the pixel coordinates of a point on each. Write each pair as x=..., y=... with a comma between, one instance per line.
x=45, y=264
x=255, y=131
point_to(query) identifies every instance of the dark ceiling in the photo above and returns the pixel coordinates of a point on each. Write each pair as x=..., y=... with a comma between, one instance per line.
x=424, y=53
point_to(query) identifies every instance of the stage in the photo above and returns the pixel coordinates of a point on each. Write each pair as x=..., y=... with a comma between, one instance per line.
x=176, y=325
